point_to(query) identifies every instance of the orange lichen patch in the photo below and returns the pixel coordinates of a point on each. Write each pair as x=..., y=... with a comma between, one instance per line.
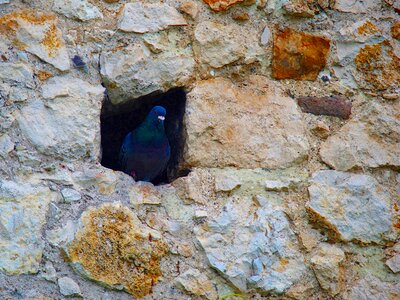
x=43, y=75
x=321, y=221
x=395, y=30
x=378, y=66
x=52, y=41
x=367, y=28
x=114, y=249
x=298, y=55
x=221, y=5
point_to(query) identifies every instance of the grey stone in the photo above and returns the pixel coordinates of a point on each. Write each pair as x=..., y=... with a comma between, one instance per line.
x=66, y=124
x=394, y=263
x=50, y=273
x=355, y=6
x=70, y=195
x=69, y=287
x=247, y=238
x=23, y=209
x=132, y=72
x=6, y=145
x=265, y=36
x=226, y=183
x=149, y=17
x=353, y=206
x=373, y=288
x=17, y=73
x=77, y=9
x=281, y=184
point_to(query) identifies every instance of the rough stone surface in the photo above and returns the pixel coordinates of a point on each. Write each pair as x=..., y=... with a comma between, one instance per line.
x=216, y=52
x=23, y=209
x=189, y=7
x=395, y=30
x=330, y=106
x=371, y=141
x=326, y=265
x=253, y=246
x=150, y=17
x=353, y=207
x=133, y=72
x=70, y=195
x=378, y=66
x=298, y=55
x=68, y=287
x=77, y=9
x=225, y=183
x=66, y=122
x=197, y=283
x=110, y=245
x=394, y=263
x=18, y=73
x=265, y=36
x=38, y=34
x=283, y=184
x=210, y=110
x=221, y=5
x=355, y=6
x=373, y=288
x=6, y=145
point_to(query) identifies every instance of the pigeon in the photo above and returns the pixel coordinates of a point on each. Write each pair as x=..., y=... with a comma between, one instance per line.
x=145, y=151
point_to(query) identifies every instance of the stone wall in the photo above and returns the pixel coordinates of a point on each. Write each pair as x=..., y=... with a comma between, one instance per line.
x=292, y=136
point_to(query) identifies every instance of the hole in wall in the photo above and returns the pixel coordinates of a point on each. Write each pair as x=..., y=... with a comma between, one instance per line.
x=118, y=120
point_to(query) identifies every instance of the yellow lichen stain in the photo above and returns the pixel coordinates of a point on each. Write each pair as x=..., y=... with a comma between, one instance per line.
x=52, y=40
x=112, y=252
x=10, y=23
x=367, y=28
x=282, y=265
x=43, y=75
x=378, y=65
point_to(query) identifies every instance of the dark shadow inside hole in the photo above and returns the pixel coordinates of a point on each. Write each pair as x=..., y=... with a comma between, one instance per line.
x=118, y=120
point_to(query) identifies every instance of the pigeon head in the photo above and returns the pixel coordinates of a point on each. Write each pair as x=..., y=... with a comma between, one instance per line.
x=157, y=116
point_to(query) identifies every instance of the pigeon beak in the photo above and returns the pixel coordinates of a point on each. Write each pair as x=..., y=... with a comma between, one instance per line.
x=161, y=118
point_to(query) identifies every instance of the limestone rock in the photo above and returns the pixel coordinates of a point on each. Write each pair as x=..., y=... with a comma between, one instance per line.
x=360, y=32
x=144, y=193
x=17, y=73
x=114, y=248
x=196, y=187
x=373, y=288
x=395, y=31
x=252, y=245
x=66, y=124
x=218, y=45
x=23, y=209
x=226, y=183
x=68, y=287
x=38, y=34
x=298, y=55
x=355, y=6
x=190, y=7
x=50, y=273
x=103, y=180
x=70, y=195
x=248, y=127
x=150, y=17
x=326, y=264
x=6, y=145
x=372, y=140
x=221, y=5
x=352, y=206
x=77, y=9
x=299, y=8
x=265, y=36
x=133, y=72
x=283, y=184
x=394, y=263
x=378, y=66
x=197, y=283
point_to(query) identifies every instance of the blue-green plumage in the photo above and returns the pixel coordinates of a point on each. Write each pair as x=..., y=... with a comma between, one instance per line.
x=145, y=151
